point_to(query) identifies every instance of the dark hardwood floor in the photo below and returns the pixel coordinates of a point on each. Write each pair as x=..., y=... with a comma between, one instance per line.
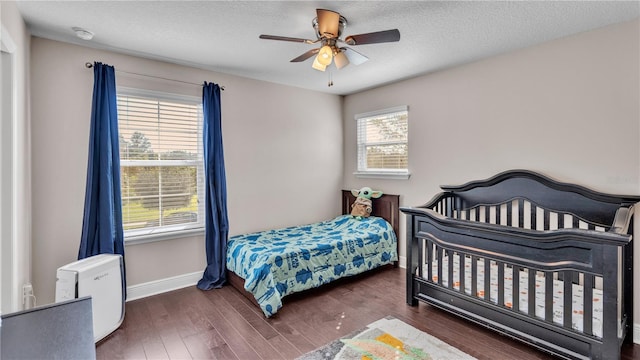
x=222, y=324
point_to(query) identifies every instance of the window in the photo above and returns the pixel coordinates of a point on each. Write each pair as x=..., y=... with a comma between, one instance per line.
x=383, y=149
x=161, y=164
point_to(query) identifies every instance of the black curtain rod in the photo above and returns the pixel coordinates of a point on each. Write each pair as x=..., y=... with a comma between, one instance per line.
x=89, y=65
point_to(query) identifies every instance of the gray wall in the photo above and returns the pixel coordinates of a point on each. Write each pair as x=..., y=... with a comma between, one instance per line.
x=15, y=173
x=567, y=108
x=283, y=157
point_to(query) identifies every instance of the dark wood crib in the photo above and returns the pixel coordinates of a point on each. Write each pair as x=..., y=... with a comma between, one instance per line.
x=545, y=262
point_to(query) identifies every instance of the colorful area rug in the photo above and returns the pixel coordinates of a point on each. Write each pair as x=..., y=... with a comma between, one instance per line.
x=387, y=338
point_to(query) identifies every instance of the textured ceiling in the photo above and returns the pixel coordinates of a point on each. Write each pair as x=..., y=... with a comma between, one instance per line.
x=222, y=36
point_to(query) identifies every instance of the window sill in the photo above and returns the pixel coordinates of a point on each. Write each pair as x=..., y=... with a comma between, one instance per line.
x=154, y=236
x=403, y=175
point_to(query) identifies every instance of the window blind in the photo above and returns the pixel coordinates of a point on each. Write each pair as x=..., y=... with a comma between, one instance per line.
x=383, y=140
x=161, y=161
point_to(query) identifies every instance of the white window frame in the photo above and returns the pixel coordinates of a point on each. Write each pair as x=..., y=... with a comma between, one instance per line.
x=139, y=236
x=363, y=171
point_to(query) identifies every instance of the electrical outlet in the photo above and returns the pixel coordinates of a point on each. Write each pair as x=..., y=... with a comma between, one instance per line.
x=27, y=296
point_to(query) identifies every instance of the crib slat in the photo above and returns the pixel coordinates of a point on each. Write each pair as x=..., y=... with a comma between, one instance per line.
x=440, y=256
x=588, y=303
x=474, y=276
x=498, y=211
x=521, y=213
x=548, y=296
x=487, y=279
x=500, y=283
x=560, y=220
x=449, y=254
x=567, y=311
x=462, y=272
x=515, y=281
x=534, y=220
x=531, y=293
x=509, y=214
x=546, y=220
x=429, y=260
x=422, y=247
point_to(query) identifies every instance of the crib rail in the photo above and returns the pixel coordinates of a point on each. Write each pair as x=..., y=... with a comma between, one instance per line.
x=568, y=298
x=516, y=212
x=474, y=267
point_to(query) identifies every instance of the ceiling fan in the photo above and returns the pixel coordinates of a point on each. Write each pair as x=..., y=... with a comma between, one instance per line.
x=329, y=26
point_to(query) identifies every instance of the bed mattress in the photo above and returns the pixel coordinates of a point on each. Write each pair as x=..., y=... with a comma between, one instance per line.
x=558, y=291
x=279, y=262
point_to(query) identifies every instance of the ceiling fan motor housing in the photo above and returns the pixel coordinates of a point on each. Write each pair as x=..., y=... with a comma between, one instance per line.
x=342, y=24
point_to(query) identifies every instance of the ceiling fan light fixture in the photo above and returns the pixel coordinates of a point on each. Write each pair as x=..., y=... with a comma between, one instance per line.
x=317, y=65
x=341, y=60
x=325, y=55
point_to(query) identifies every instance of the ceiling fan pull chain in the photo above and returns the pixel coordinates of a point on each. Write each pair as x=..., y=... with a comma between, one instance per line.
x=330, y=83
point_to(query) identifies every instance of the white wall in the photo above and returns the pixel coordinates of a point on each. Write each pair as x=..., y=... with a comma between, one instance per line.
x=16, y=169
x=567, y=108
x=283, y=157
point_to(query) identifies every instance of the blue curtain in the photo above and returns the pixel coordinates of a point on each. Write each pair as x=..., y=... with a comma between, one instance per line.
x=216, y=222
x=102, y=231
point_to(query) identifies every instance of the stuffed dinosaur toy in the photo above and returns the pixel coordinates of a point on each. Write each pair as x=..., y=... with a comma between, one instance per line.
x=362, y=207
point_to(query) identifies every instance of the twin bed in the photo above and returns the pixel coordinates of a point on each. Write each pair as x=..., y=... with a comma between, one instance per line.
x=266, y=266
x=544, y=262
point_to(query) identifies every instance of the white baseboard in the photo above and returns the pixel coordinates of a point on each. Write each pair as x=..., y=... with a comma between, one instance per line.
x=155, y=287
x=402, y=261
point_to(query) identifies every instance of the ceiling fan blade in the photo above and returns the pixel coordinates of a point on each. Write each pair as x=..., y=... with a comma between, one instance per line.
x=328, y=23
x=306, y=55
x=285, y=38
x=374, y=37
x=354, y=57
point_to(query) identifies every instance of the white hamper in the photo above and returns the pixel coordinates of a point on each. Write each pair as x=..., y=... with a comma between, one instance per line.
x=100, y=277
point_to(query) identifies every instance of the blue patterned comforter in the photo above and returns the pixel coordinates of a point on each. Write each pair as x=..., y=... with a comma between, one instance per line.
x=279, y=262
